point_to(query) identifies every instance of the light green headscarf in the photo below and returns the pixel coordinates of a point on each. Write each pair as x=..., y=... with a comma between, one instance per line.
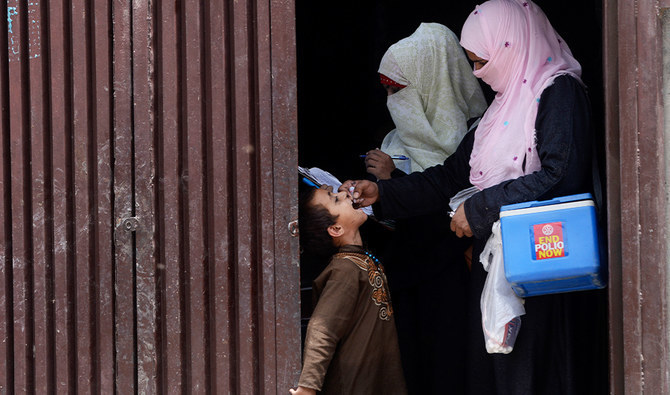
x=431, y=113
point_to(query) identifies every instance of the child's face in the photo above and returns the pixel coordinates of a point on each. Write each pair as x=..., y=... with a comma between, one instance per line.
x=340, y=205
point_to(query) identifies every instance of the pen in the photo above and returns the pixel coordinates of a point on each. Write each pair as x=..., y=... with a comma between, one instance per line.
x=398, y=157
x=309, y=182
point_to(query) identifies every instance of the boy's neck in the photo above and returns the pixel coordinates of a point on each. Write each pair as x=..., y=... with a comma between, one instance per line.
x=353, y=239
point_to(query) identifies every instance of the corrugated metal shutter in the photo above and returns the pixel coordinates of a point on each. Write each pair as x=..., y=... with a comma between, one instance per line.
x=146, y=183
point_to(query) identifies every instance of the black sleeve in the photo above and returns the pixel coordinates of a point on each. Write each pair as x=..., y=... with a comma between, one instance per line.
x=428, y=191
x=397, y=173
x=564, y=145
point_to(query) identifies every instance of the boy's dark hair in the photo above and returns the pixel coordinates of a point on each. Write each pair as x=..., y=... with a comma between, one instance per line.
x=313, y=223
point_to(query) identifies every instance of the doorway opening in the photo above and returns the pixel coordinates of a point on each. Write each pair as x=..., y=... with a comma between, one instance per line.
x=341, y=105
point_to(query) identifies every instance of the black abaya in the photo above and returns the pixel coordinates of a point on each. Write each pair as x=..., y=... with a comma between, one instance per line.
x=561, y=347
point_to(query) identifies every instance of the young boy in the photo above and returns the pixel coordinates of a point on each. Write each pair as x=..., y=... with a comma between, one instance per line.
x=351, y=345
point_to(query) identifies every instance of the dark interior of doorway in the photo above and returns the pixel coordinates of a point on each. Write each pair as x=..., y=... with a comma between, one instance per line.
x=341, y=105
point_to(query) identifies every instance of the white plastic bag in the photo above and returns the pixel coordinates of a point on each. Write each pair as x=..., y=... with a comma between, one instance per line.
x=501, y=307
x=461, y=196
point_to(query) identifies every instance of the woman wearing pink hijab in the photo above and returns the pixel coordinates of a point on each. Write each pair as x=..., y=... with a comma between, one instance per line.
x=535, y=142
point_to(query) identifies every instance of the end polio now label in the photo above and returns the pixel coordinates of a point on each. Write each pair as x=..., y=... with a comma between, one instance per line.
x=549, y=240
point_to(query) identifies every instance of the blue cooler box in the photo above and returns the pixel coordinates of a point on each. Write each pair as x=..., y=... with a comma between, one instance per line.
x=552, y=246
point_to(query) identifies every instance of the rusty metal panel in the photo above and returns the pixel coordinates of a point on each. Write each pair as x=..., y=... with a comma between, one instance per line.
x=219, y=229
x=285, y=157
x=57, y=61
x=83, y=191
x=637, y=203
x=145, y=257
x=20, y=214
x=103, y=220
x=169, y=216
x=613, y=196
x=124, y=240
x=194, y=178
x=6, y=302
x=147, y=179
x=217, y=163
x=227, y=267
x=56, y=246
x=42, y=307
x=244, y=174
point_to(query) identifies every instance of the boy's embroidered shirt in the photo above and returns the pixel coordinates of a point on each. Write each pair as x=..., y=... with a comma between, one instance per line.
x=351, y=344
x=377, y=279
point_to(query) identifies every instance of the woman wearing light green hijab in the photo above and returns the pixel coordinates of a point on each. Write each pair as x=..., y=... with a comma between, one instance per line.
x=433, y=95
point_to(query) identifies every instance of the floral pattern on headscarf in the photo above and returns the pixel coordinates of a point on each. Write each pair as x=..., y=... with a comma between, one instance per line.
x=525, y=54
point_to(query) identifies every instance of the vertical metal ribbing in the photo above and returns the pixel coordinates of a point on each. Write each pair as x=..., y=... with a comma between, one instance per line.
x=170, y=220
x=145, y=192
x=244, y=114
x=175, y=121
x=6, y=274
x=217, y=90
x=21, y=201
x=42, y=213
x=58, y=52
x=125, y=362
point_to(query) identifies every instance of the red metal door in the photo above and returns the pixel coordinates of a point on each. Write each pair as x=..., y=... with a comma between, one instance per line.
x=147, y=179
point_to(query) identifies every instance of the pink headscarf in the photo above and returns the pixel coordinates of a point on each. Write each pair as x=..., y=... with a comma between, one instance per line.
x=525, y=55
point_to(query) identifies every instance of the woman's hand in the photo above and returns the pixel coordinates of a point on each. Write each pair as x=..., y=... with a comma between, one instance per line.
x=459, y=223
x=379, y=164
x=302, y=391
x=363, y=192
